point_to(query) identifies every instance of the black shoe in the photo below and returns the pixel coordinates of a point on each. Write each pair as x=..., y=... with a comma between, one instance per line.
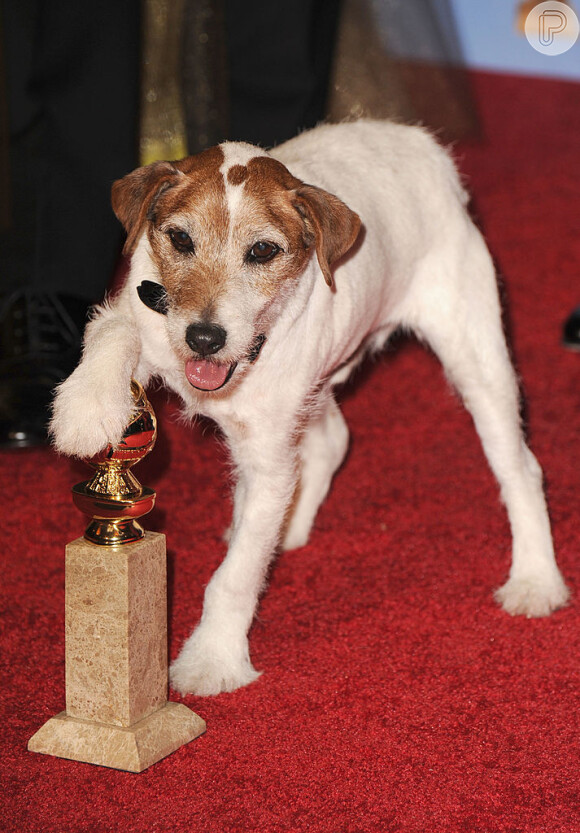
x=40, y=340
x=571, y=332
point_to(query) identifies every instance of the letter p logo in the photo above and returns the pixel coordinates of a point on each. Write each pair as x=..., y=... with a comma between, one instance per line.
x=550, y=24
x=552, y=27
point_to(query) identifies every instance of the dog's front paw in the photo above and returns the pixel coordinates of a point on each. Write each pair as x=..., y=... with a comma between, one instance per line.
x=206, y=665
x=533, y=596
x=87, y=415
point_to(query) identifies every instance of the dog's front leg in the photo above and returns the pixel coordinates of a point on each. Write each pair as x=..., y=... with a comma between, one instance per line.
x=92, y=407
x=216, y=656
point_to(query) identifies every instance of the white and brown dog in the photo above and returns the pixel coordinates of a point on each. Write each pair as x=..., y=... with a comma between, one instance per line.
x=258, y=281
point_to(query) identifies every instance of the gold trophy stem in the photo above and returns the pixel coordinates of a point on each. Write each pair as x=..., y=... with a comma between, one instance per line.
x=113, y=533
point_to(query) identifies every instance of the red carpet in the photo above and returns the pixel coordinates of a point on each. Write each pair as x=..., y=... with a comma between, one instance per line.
x=395, y=696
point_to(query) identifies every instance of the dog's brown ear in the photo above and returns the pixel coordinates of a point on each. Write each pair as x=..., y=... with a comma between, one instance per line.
x=134, y=195
x=334, y=226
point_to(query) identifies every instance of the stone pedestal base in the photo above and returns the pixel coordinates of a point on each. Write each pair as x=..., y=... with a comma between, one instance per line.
x=132, y=749
x=117, y=713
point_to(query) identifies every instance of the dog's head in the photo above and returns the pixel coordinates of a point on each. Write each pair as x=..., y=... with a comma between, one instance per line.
x=230, y=232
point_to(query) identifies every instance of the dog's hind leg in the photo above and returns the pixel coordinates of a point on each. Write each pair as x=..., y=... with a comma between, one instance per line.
x=323, y=447
x=465, y=331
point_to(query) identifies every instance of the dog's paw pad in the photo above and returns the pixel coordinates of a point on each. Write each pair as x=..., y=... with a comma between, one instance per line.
x=532, y=597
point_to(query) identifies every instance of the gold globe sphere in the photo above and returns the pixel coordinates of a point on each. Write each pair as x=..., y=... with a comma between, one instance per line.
x=114, y=498
x=139, y=435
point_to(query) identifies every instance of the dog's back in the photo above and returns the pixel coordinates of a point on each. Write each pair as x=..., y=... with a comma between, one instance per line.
x=408, y=194
x=378, y=168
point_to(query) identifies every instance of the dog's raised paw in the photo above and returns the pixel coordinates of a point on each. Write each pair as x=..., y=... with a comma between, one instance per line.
x=533, y=597
x=87, y=417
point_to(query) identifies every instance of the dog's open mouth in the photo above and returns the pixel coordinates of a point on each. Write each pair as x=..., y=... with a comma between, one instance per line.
x=206, y=375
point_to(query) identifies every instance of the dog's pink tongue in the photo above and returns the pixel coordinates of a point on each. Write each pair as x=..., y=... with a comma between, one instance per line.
x=206, y=375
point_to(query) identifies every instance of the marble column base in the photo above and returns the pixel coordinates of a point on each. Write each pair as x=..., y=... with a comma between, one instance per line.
x=133, y=748
x=117, y=713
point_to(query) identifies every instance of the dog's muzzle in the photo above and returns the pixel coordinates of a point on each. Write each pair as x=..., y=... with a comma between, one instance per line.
x=205, y=373
x=205, y=340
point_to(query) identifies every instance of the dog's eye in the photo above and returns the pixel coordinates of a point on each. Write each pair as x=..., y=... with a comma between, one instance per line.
x=181, y=241
x=262, y=252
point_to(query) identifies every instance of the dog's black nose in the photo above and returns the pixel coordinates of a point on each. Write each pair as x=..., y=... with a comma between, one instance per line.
x=205, y=339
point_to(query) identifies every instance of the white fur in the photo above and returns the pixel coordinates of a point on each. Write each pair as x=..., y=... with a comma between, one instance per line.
x=236, y=153
x=421, y=264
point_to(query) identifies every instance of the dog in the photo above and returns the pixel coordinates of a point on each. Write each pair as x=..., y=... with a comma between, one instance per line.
x=258, y=281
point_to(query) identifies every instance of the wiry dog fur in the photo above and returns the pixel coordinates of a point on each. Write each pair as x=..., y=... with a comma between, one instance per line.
x=316, y=251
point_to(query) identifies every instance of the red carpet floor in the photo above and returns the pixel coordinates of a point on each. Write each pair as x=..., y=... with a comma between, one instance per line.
x=395, y=696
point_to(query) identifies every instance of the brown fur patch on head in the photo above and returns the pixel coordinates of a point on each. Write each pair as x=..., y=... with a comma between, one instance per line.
x=267, y=194
x=326, y=221
x=136, y=198
x=202, y=165
x=237, y=174
x=198, y=207
x=202, y=187
x=267, y=172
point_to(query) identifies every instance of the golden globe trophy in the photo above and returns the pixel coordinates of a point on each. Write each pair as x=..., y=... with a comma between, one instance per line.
x=117, y=712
